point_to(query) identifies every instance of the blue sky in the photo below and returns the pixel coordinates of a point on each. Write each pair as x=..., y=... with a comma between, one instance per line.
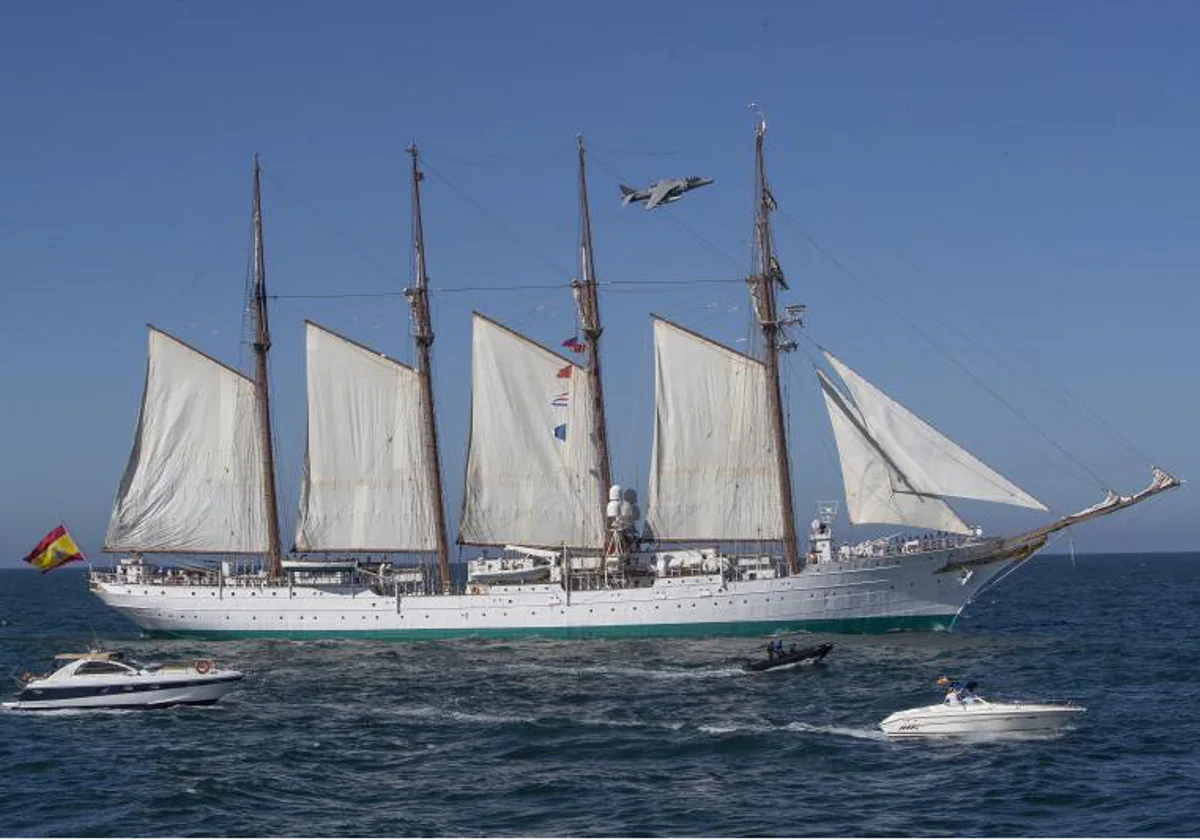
x=1016, y=182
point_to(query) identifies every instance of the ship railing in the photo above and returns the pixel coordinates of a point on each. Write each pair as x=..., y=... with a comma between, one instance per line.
x=898, y=545
x=169, y=576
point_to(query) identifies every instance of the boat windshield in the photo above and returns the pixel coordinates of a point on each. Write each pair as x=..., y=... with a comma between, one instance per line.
x=101, y=667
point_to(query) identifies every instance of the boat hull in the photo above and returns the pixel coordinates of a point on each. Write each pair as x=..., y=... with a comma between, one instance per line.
x=788, y=660
x=870, y=595
x=147, y=691
x=981, y=719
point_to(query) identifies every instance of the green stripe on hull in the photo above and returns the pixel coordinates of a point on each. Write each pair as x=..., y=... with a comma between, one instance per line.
x=873, y=625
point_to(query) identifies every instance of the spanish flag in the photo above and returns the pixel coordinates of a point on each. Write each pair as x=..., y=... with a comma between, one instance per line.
x=56, y=549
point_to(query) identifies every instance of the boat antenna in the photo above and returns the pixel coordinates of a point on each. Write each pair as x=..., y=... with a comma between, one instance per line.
x=262, y=344
x=422, y=332
x=587, y=305
x=767, y=274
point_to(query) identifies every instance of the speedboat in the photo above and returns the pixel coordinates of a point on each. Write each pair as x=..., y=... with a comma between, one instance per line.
x=106, y=679
x=964, y=712
x=789, y=658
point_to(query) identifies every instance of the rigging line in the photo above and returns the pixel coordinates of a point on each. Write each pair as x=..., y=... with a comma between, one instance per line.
x=706, y=243
x=631, y=153
x=624, y=286
x=949, y=357
x=1071, y=401
x=495, y=160
x=178, y=296
x=685, y=282
x=337, y=231
x=335, y=296
x=247, y=297
x=500, y=223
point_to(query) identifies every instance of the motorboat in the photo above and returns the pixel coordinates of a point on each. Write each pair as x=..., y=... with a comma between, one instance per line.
x=963, y=712
x=789, y=658
x=107, y=679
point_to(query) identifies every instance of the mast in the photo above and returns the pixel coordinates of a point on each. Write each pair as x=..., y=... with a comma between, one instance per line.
x=762, y=292
x=422, y=331
x=587, y=304
x=262, y=343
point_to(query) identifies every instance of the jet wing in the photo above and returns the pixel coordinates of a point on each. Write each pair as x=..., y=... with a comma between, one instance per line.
x=658, y=194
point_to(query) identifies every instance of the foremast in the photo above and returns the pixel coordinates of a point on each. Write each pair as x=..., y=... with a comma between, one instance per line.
x=762, y=293
x=422, y=332
x=262, y=344
x=587, y=304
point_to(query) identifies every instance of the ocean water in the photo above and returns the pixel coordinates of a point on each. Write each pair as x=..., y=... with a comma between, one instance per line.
x=629, y=737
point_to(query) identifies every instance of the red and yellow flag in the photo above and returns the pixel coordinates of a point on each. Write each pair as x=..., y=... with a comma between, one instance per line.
x=56, y=549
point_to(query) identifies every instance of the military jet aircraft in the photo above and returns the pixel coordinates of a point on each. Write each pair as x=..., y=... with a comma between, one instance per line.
x=662, y=192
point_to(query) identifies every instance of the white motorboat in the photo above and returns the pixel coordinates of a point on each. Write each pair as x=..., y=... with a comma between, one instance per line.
x=105, y=679
x=964, y=712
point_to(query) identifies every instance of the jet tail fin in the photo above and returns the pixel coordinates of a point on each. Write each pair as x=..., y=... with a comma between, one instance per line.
x=627, y=194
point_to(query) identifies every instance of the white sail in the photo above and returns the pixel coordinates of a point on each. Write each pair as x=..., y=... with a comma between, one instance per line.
x=366, y=482
x=876, y=491
x=195, y=479
x=714, y=470
x=932, y=463
x=531, y=476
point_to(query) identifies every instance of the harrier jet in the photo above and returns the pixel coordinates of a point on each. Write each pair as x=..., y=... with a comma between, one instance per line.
x=662, y=192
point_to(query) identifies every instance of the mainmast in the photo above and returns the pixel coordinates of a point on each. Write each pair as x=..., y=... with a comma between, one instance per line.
x=422, y=331
x=587, y=304
x=262, y=343
x=762, y=292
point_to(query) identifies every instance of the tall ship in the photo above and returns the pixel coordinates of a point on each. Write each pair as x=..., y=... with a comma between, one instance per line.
x=561, y=550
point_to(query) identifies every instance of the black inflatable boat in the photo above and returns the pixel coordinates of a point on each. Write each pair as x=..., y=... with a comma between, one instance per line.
x=797, y=656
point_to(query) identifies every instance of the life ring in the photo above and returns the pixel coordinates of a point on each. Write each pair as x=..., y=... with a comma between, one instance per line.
x=203, y=666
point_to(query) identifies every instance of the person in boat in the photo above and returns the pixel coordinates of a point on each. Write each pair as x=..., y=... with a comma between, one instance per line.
x=770, y=651
x=954, y=695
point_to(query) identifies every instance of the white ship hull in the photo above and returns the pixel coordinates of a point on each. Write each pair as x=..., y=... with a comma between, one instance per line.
x=867, y=595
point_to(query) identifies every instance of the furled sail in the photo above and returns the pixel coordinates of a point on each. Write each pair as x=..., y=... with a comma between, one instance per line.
x=195, y=480
x=531, y=475
x=713, y=471
x=876, y=490
x=893, y=462
x=365, y=485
